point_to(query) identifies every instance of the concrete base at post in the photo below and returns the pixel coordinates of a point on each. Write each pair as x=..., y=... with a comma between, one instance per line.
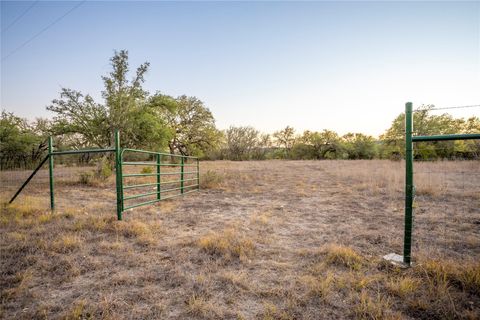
x=396, y=260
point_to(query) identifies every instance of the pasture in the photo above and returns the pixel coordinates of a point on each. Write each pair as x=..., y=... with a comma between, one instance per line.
x=261, y=240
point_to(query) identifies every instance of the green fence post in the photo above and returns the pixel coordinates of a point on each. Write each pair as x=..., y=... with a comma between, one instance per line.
x=409, y=188
x=118, y=175
x=50, y=172
x=181, y=174
x=158, y=176
x=198, y=174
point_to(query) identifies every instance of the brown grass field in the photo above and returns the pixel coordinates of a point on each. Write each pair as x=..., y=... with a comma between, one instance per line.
x=261, y=240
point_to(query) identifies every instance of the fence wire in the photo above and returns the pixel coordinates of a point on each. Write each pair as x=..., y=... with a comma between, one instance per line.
x=80, y=181
x=447, y=204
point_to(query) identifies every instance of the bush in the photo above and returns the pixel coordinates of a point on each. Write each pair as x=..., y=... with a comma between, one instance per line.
x=210, y=180
x=147, y=170
x=104, y=169
x=85, y=178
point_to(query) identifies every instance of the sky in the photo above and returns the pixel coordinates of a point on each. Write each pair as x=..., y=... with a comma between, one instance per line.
x=342, y=66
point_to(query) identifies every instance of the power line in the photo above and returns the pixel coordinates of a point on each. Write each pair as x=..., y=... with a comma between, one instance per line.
x=447, y=108
x=19, y=17
x=43, y=30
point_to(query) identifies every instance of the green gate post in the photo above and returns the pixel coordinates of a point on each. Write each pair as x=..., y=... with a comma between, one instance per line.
x=181, y=174
x=118, y=175
x=409, y=188
x=50, y=172
x=198, y=174
x=158, y=176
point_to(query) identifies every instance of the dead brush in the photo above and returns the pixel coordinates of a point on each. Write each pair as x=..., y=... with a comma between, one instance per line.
x=66, y=243
x=211, y=180
x=318, y=286
x=344, y=256
x=403, y=287
x=466, y=275
x=229, y=244
x=201, y=307
x=372, y=308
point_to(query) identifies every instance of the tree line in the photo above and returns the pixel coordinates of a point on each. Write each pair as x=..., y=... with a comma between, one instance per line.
x=184, y=125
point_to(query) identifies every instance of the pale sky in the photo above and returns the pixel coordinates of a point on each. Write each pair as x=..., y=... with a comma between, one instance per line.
x=343, y=66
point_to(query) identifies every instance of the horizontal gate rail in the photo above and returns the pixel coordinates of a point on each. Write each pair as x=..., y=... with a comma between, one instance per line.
x=157, y=164
x=133, y=186
x=160, y=153
x=157, y=200
x=80, y=151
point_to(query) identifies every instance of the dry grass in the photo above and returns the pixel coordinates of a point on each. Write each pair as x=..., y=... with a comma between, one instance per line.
x=266, y=240
x=343, y=256
x=229, y=244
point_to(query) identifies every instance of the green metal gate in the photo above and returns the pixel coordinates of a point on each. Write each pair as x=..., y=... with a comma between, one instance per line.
x=174, y=175
x=188, y=175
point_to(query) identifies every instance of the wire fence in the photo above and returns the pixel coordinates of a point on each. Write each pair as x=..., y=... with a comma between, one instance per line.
x=447, y=204
x=79, y=180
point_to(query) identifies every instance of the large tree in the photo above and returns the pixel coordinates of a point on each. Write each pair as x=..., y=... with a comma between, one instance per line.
x=190, y=123
x=125, y=108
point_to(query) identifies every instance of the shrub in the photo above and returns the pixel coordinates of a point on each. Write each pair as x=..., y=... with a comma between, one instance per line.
x=104, y=169
x=210, y=180
x=85, y=178
x=147, y=170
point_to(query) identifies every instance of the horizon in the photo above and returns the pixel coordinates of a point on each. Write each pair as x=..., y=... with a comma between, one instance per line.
x=266, y=65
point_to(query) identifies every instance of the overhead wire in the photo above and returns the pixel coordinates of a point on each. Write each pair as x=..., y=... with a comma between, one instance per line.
x=43, y=30
x=20, y=16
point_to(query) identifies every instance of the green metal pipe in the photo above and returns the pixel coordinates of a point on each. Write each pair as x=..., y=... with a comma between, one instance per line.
x=118, y=175
x=156, y=200
x=135, y=196
x=29, y=178
x=156, y=174
x=182, y=174
x=159, y=163
x=50, y=172
x=82, y=151
x=446, y=137
x=155, y=164
x=141, y=204
x=198, y=174
x=141, y=175
x=177, y=181
x=141, y=195
x=133, y=186
x=409, y=188
x=160, y=153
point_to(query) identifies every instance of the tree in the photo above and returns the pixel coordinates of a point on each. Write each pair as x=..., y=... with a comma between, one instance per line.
x=191, y=125
x=20, y=143
x=359, y=146
x=326, y=144
x=125, y=108
x=285, y=139
x=241, y=141
x=424, y=123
